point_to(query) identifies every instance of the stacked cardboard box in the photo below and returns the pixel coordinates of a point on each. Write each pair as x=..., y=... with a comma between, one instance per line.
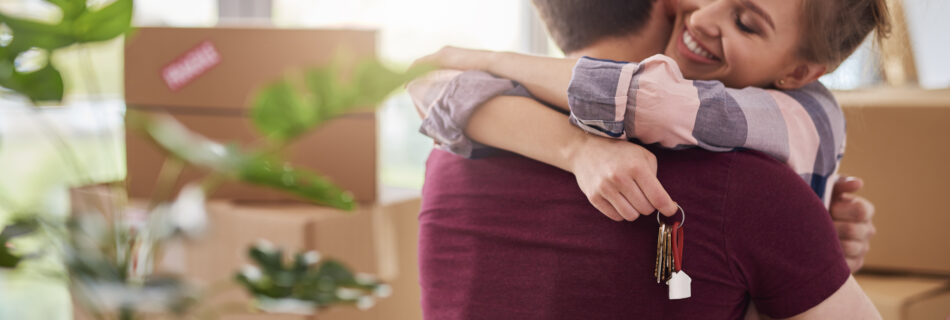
x=375, y=239
x=897, y=144
x=204, y=78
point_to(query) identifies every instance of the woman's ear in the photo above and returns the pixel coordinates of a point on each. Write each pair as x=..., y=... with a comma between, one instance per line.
x=801, y=75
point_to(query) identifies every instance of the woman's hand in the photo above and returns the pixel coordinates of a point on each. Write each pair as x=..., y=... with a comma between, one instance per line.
x=619, y=179
x=458, y=58
x=852, y=216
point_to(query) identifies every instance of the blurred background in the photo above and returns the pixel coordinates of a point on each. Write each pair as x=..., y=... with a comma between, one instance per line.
x=914, y=59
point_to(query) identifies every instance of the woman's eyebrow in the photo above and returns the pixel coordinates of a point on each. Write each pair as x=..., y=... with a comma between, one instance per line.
x=754, y=8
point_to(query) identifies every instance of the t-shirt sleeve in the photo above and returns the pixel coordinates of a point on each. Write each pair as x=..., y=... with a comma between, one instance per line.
x=780, y=238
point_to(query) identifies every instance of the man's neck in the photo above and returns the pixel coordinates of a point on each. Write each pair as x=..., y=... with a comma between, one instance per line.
x=648, y=41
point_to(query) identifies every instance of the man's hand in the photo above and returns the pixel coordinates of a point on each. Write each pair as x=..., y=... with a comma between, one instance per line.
x=619, y=179
x=852, y=217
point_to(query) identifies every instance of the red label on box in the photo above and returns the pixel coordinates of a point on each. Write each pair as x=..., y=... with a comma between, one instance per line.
x=190, y=65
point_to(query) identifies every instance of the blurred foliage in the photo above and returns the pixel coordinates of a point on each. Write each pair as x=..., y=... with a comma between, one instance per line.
x=80, y=23
x=107, y=263
x=305, y=284
x=8, y=257
x=272, y=172
x=283, y=111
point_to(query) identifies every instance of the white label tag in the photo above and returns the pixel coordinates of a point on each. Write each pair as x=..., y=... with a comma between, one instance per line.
x=680, y=285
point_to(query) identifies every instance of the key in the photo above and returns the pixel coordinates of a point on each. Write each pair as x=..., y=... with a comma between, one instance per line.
x=669, y=256
x=657, y=271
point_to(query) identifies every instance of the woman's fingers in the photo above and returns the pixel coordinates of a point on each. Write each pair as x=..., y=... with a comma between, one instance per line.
x=604, y=207
x=656, y=194
x=620, y=203
x=635, y=196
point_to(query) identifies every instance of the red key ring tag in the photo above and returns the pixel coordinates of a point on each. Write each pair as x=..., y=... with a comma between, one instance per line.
x=677, y=247
x=679, y=282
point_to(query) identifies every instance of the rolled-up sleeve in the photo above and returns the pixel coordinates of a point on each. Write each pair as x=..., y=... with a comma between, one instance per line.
x=448, y=103
x=652, y=102
x=598, y=96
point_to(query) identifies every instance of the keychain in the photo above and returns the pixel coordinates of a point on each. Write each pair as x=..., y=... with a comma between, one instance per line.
x=669, y=260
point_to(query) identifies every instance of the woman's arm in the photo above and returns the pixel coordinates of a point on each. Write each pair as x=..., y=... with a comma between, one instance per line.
x=618, y=178
x=652, y=102
x=546, y=78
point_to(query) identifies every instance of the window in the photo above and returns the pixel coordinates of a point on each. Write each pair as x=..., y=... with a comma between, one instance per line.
x=914, y=54
x=927, y=26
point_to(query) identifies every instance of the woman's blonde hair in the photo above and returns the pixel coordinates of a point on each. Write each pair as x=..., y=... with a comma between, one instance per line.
x=835, y=28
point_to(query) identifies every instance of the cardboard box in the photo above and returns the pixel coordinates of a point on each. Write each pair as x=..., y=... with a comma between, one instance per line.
x=897, y=142
x=908, y=298
x=377, y=239
x=205, y=78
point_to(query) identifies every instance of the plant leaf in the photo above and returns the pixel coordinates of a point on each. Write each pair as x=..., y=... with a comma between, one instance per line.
x=104, y=24
x=45, y=84
x=7, y=258
x=28, y=34
x=194, y=149
x=70, y=8
x=280, y=113
x=270, y=172
x=18, y=228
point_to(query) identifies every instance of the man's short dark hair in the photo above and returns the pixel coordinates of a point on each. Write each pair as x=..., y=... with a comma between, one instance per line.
x=576, y=24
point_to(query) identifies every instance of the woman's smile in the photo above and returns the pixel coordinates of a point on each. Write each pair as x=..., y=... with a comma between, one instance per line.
x=690, y=48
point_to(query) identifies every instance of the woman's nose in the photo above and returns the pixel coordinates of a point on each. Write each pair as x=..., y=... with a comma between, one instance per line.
x=706, y=21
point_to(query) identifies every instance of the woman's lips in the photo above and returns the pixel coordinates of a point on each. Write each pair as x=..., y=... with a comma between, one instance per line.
x=691, y=49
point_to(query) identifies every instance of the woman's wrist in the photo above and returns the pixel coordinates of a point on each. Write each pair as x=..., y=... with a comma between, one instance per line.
x=494, y=62
x=575, y=148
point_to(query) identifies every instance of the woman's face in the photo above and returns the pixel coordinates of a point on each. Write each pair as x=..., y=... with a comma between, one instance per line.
x=739, y=42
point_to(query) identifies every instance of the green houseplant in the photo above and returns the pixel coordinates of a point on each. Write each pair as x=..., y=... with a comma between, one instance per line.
x=107, y=249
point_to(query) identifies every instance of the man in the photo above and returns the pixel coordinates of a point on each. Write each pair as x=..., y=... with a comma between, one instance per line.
x=609, y=35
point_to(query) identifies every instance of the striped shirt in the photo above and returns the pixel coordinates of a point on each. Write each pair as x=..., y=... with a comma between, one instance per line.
x=651, y=102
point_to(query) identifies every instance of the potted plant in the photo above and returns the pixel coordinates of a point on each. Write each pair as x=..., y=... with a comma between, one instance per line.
x=108, y=246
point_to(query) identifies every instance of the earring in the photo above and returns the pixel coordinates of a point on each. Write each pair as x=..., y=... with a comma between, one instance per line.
x=781, y=82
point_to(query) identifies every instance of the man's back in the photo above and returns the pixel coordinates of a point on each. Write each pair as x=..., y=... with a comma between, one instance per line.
x=508, y=237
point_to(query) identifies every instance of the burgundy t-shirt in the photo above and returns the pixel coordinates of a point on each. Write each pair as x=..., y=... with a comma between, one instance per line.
x=511, y=238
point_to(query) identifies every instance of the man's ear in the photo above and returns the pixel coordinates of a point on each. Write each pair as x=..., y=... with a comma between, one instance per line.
x=800, y=75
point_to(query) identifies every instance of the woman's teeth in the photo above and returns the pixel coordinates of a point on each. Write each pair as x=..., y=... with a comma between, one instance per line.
x=695, y=48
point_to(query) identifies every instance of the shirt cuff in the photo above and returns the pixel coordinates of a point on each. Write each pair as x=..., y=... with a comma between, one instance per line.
x=598, y=96
x=449, y=113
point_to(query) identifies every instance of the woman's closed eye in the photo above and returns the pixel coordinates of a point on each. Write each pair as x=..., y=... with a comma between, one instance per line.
x=744, y=27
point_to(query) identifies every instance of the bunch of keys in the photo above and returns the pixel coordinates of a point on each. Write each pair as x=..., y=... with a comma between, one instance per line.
x=669, y=258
